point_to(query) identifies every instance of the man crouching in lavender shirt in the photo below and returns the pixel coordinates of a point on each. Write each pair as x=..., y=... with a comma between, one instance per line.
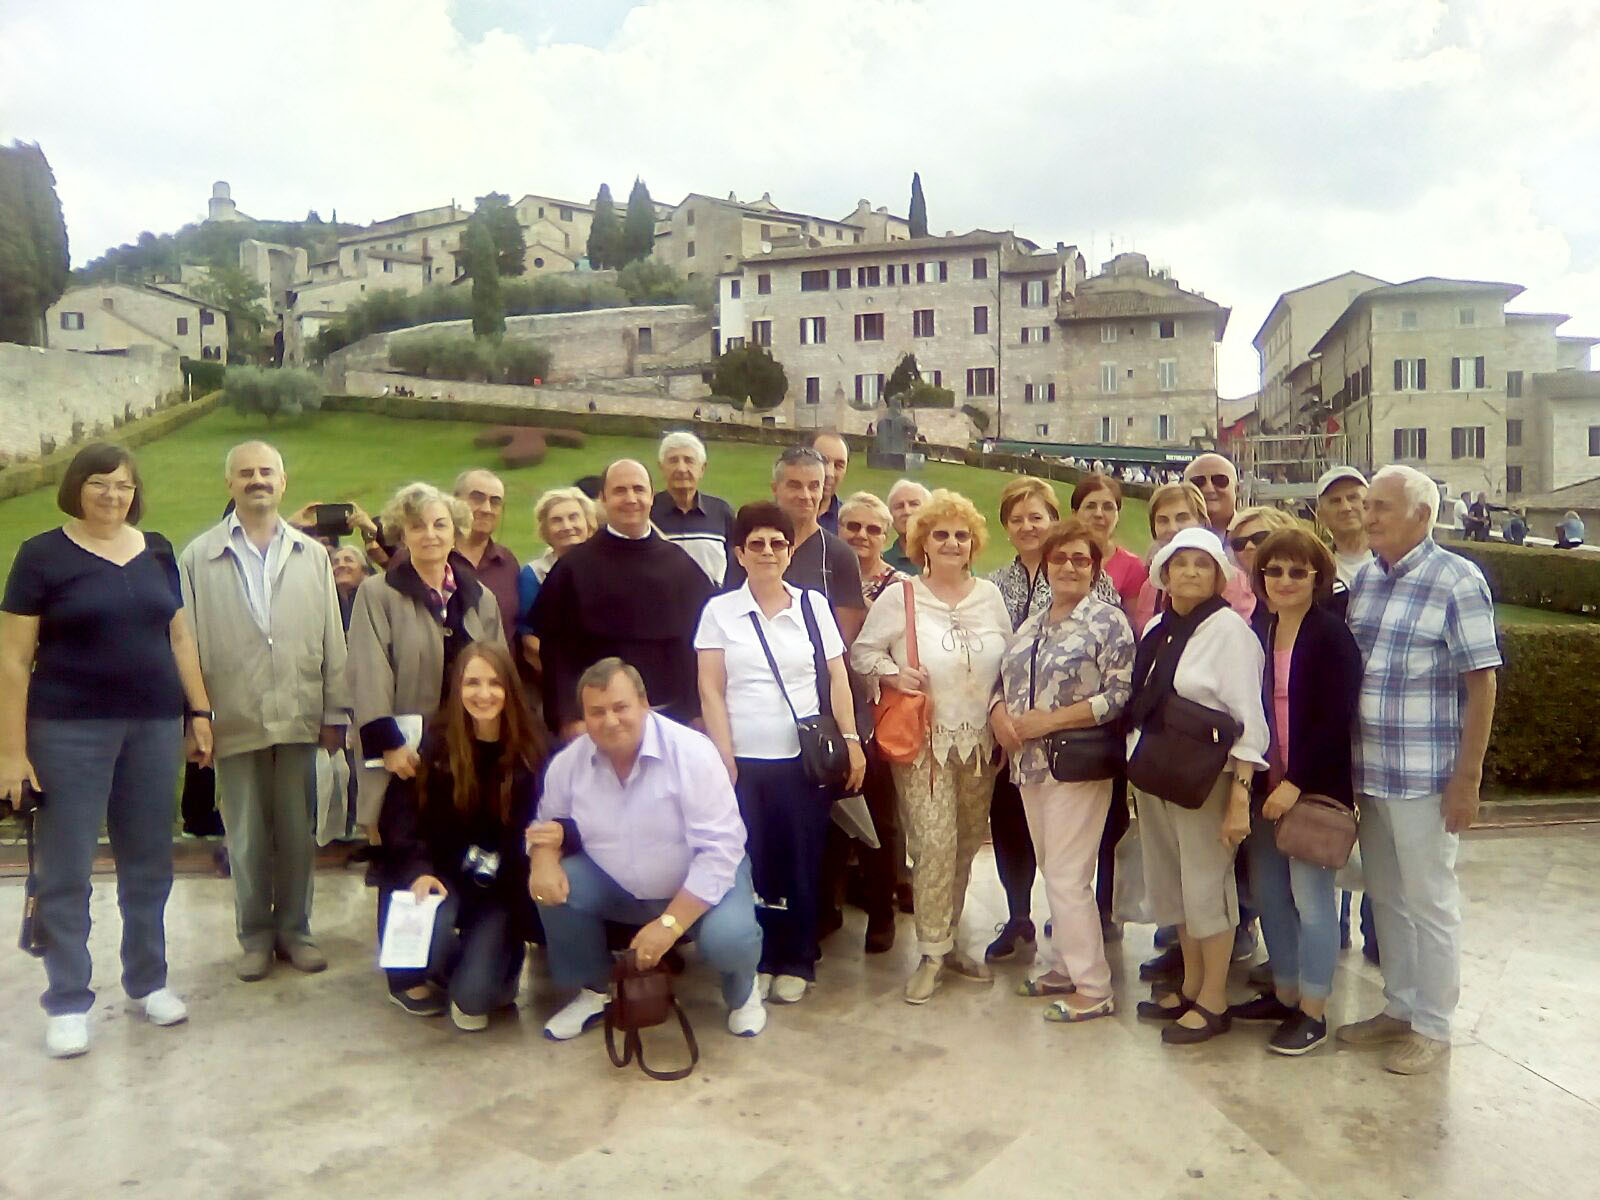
x=651, y=827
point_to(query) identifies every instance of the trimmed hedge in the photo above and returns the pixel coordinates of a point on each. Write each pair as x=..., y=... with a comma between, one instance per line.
x=203, y=375
x=1547, y=716
x=1536, y=576
x=445, y=355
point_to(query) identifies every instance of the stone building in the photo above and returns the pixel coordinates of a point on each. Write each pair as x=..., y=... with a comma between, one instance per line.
x=703, y=237
x=221, y=207
x=1297, y=320
x=1437, y=374
x=115, y=317
x=977, y=311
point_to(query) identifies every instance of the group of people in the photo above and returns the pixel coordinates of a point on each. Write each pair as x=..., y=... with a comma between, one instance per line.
x=615, y=745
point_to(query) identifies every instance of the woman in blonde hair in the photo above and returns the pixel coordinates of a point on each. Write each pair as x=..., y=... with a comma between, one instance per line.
x=1248, y=529
x=962, y=631
x=565, y=518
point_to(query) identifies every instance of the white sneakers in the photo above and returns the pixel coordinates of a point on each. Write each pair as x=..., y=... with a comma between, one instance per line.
x=162, y=1007
x=67, y=1035
x=788, y=989
x=750, y=1018
x=582, y=1012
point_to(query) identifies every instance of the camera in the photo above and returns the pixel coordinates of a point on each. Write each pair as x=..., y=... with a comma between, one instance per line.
x=32, y=800
x=333, y=520
x=480, y=865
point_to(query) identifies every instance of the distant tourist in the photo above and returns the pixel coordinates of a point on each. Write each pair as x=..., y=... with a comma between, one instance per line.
x=271, y=638
x=686, y=516
x=99, y=674
x=1569, y=532
x=1341, y=496
x=1516, y=528
x=1479, y=521
x=1424, y=621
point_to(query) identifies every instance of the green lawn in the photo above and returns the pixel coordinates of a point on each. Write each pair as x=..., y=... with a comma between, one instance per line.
x=349, y=456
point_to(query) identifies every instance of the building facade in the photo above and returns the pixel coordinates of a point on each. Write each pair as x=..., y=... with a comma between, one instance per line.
x=704, y=237
x=1297, y=321
x=115, y=317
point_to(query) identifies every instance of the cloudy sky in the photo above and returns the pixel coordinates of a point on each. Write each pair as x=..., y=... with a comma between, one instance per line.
x=1250, y=146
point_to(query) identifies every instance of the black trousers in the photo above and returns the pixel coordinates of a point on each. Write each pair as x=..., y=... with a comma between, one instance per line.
x=878, y=871
x=786, y=819
x=1013, y=847
x=1117, y=823
x=476, y=954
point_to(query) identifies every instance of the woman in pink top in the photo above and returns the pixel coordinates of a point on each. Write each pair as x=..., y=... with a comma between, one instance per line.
x=1098, y=501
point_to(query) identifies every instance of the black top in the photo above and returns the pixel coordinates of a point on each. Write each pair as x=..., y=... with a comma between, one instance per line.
x=105, y=641
x=636, y=598
x=1324, y=679
x=427, y=835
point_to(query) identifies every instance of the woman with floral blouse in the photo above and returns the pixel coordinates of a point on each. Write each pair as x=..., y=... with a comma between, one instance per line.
x=1070, y=667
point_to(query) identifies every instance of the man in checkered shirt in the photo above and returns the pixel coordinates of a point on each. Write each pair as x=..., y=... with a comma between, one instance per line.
x=1424, y=620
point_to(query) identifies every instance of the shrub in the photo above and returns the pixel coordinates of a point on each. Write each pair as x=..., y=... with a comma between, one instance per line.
x=444, y=355
x=922, y=394
x=731, y=401
x=202, y=375
x=903, y=377
x=567, y=439
x=750, y=373
x=1535, y=576
x=979, y=417
x=525, y=449
x=1545, y=734
x=494, y=437
x=272, y=393
x=522, y=361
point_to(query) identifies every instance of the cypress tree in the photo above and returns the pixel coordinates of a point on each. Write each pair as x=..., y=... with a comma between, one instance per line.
x=488, y=312
x=918, y=214
x=34, y=262
x=605, y=233
x=639, y=226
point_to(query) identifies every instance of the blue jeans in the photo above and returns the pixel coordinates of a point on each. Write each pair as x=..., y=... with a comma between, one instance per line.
x=123, y=774
x=1299, y=910
x=475, y=955
x=575, y=932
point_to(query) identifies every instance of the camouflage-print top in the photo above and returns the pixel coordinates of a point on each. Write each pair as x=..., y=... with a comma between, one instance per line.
x=1025, y=598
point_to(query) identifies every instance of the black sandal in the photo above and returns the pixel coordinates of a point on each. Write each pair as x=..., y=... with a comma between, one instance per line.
x=1154, y=1010
x=1182, y=1035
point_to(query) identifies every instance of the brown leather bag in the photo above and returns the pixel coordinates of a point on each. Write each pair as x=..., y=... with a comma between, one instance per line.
x=1317, y=830
x=901, y=724
x=639, y=1000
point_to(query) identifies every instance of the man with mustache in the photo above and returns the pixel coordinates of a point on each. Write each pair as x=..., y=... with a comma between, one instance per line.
x=272, y=650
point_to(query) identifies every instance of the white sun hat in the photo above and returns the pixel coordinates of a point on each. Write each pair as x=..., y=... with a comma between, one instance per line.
x=1193, y=538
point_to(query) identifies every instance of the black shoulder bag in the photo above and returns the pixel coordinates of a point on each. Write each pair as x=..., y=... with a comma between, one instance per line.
x=1078, y=755
x=1183, y=745
x=823, y=753
x=31, y=938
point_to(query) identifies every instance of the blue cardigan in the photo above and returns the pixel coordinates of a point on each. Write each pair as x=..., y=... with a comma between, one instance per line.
x=1324, y=682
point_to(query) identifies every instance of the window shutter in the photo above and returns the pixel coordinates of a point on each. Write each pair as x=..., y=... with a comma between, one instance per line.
x=1455, y=372
x=944, y=270
x=1024, y=296
x=1422, y=374
x=858, y=383
x=1399, y=382
x=1399, y=439
x=1477, y=371
x=1045, y=292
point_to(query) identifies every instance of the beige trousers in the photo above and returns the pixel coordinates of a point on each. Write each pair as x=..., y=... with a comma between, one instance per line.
x=945, y=811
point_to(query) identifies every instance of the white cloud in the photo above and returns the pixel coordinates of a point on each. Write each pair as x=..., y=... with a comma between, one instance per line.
x=1251, y=146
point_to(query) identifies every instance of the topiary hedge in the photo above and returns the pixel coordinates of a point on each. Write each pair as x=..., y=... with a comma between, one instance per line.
x=1546, y=730
x=1535, y=576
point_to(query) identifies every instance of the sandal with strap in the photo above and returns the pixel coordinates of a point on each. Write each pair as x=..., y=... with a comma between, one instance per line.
x=1059, y=1010
x=1182, y=1035
x=1154, y=1010
x=1038, y=987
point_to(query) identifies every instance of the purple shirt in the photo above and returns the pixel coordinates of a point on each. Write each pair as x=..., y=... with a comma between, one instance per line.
x=673, y=823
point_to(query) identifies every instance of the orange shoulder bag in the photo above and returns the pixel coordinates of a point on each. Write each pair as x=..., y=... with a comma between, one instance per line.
x=901, y=727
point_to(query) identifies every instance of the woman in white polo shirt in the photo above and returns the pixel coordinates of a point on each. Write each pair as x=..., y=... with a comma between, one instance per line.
x=753, y=725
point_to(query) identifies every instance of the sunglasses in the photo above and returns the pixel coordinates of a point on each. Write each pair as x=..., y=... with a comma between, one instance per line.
x=961, y=536
x=1078, y=562
x=1298, y=574
x=776, y=545
x=1249, y=539
x=1221, y=482
x=859, y=526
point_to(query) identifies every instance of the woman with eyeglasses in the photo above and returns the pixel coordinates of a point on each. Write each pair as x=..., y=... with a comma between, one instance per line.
x=962, y=630
x=565, y=518
x=98, y=671
x=865, y=525
x=1070, y=667
x=1249, y=528
x=1309, y=692
x=758, y=649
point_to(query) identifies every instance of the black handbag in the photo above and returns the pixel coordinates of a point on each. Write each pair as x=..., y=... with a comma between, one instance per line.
x=823, y=753
x=31, y=937
x=1183, y=747
x=1078, y=755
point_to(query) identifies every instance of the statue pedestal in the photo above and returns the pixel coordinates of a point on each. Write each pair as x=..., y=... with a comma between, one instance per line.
x=886, y=461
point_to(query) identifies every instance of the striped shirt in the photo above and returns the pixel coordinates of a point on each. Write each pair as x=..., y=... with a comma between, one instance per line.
x=1421, y=625
x=703, y=532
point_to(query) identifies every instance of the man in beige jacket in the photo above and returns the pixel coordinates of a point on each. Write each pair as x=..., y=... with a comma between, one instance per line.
x=272, y=649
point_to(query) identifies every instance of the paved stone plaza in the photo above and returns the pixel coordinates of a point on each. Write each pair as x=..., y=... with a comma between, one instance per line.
x=317, y=1086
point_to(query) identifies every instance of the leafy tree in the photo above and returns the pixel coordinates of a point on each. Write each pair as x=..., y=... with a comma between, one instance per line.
x=923, y=394
x=979, y=418
x=495, y=212
x=482, y=263
x=272, y=393
x=639, y=226
x=918, y=214
x=904, y=375
x=605, y=232
x=34, y=263
x=239, y=298
x=750, y=373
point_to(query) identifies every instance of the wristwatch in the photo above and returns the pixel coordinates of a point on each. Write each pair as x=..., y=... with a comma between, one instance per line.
x=671, y=922
x=203, y=712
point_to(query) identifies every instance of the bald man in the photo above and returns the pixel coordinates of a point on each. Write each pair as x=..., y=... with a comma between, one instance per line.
x=1218, y=481
x=627, y=592
x=497, y=567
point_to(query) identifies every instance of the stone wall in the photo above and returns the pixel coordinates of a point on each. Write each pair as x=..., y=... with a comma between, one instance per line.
x=51, y=397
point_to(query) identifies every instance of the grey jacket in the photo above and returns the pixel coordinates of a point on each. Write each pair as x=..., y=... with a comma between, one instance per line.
x=397, y=664
x=266, y=690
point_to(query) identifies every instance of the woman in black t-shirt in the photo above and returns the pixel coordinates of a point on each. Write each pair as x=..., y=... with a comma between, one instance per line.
x=97, y=670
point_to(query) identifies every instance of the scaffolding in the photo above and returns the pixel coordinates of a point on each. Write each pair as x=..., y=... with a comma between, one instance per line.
x=1286, y=466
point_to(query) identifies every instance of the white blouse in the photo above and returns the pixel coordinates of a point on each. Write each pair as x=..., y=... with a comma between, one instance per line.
x=760, y=721
x=960, y=648
x=1221, y=668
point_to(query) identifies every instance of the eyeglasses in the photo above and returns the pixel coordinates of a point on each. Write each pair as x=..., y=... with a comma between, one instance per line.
x=485, y=498
x=961, y=536
x=1298, y=574
x=775, y=545
x=1249, y=539
x=1221, y=482
x=101, y=488
x=1078, y=562
x=859, y=526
